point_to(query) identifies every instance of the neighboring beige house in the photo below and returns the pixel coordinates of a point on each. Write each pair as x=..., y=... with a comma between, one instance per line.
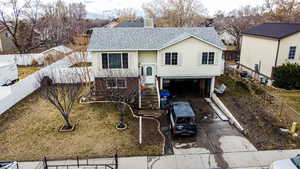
x=270, y=45
x=182, y=60
x=6, y=44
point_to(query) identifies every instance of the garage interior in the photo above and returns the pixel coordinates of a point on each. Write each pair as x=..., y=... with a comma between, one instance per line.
x=188, y=87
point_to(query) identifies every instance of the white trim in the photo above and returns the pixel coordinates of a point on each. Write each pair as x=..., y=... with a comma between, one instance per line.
x=171, y=59
x=122, y=66
x=212, y=86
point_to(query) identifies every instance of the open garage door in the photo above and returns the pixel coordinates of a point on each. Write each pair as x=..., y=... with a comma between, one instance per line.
x=188, y=87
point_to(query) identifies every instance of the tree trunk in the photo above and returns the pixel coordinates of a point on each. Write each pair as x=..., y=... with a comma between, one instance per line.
x=66, y=118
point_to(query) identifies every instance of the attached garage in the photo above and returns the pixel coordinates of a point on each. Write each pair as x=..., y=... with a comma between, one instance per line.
x=200, y=87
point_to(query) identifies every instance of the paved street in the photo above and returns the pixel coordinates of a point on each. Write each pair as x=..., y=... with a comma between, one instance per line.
x=235, y=160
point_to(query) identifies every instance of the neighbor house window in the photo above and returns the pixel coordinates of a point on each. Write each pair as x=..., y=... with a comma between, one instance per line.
x=208, y=57
x=292, y=52
x=116, y=83
x=171, y=58
x=114, y=60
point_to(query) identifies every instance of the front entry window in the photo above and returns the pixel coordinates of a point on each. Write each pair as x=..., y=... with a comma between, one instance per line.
x=149, y=71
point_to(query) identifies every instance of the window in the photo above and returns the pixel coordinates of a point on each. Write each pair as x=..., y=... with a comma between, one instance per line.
x=149, y=71
x=211, y=58
x=208, y=58
x=171, y=58
x=292, y=52
x=116, y=83
x=204, y=57
x=114, y=60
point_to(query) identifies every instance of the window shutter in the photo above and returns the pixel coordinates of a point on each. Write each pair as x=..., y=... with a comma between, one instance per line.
x=204, y=59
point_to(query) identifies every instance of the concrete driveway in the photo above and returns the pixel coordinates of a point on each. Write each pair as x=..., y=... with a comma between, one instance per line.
x=214, y=137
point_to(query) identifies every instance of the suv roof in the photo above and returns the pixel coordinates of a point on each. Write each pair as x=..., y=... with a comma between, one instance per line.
x=183, y=109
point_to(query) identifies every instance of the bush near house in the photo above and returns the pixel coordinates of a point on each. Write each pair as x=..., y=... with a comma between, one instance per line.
x=287, y=76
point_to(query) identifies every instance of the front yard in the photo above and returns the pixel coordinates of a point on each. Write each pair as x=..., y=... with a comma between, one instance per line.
x=29, y=131
x=262, y=127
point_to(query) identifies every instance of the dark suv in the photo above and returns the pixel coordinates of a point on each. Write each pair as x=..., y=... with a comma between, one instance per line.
x=182, y=117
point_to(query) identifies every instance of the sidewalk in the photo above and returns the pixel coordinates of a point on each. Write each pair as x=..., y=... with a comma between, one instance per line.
x=234, y=160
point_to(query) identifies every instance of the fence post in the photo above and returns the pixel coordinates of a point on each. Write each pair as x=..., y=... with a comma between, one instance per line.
x=45, y=163
x=77, y=161
x=116, y=161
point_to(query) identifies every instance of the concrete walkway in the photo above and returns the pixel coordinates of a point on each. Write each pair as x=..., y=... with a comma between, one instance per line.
x=234, y=160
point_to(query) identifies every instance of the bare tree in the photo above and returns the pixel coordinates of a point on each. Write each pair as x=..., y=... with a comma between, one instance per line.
x=120, y=89
x=282, y=10
x=62, y=89
x=175, y=13
x=127, y=14
x=239, y=20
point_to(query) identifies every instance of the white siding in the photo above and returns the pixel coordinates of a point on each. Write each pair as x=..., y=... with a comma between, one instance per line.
x=96, y=58
x=257, y=50
x=285, y=44
x=190, y=56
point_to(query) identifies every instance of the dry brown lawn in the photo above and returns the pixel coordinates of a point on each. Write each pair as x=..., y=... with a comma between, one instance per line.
x=291, y=97
x=25, y=71
x=29, y=131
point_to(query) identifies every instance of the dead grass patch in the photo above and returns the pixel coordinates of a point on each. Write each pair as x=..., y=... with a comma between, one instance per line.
x=25, y=71
x=29, y=131
x=291, y=97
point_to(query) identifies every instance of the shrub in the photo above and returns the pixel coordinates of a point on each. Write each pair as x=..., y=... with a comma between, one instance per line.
x=287, y=76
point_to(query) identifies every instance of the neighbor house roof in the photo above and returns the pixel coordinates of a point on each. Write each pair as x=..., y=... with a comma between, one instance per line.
x=274, y=30
x=133, y=23
x=104, y=39
x=61, y=48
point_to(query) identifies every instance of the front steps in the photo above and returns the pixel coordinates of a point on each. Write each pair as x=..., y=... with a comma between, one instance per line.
x=149, y=98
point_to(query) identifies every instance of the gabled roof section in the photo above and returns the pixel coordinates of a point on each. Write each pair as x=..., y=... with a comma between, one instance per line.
x=104, y=39
x=274, y=30
x=183, y=37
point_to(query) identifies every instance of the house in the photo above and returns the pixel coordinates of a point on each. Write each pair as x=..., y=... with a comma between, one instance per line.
x=177, y=59
x=231, y=50
x=53, y=54
x=269, y=45
x=6, y=44
x=112, y=23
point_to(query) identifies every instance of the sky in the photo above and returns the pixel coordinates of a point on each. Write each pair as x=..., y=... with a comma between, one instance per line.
x=98, y=6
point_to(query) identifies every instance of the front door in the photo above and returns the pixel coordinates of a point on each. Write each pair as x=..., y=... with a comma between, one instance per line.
x=149, y=74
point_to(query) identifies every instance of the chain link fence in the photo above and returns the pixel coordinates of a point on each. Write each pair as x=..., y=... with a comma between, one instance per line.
x=273, y=104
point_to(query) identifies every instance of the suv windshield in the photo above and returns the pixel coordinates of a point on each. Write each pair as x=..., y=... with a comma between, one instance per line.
x=183, y=120
x=296, y=161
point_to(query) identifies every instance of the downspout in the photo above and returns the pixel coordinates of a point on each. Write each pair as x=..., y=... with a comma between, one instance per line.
x=277, y=52
x=276, y=59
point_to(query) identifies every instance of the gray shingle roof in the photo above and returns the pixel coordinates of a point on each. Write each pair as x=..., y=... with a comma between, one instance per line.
x=274, y=30
x=147, y=38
